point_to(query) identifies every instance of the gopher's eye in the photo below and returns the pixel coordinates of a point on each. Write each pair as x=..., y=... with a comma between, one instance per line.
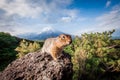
x=63, y=37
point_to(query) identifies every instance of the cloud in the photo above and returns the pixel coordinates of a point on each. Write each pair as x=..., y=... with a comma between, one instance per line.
x=108, y=4
x=69, y=15
x=66, y=19
x=6, y=22
x=19, y=7
x=110, y=20
x=46, y=11
x=32, y=9
x=105, y=22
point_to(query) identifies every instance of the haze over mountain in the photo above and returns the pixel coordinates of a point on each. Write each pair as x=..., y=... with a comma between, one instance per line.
x=49, y=32
x=45, y=33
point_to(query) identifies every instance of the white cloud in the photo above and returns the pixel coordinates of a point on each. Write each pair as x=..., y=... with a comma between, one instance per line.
x=107, y=21
x=6, y=22
x=110, y=20
x=48, y=12
x=30, y=8
x=19, y=7
x=108, y=4
x=66, y=19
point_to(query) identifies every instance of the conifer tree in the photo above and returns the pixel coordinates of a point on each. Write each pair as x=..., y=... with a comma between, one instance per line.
x=26, y=47
x=22, y=49
x=93, y=55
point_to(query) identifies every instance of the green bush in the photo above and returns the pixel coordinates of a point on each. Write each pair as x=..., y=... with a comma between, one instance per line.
x=7, y=45
x=94, y=57
x=26, y=47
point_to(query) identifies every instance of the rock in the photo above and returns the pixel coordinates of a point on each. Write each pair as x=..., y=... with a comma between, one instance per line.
x=39, y=66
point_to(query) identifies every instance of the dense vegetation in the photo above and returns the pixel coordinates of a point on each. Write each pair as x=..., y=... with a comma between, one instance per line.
x=26, y=47
x=95, y=56
x=7, y=45
x=12, y=47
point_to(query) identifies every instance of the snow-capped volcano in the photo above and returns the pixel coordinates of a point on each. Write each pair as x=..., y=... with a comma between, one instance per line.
x=48, y=29
x=45, y=33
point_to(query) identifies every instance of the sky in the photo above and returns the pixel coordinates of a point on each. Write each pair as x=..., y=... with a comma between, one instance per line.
x=69, y=16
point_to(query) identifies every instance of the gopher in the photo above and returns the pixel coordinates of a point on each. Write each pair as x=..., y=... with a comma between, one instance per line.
x=54, y=46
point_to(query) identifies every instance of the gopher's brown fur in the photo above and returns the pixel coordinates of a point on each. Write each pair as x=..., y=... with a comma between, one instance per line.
x=55, y=46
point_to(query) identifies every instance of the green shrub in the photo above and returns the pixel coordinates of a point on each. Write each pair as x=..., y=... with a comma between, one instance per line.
x=7, y=45
x=26, y=47
x=94, y=57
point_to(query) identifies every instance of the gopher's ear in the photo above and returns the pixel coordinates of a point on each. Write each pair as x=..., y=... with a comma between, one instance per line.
x=61, y=35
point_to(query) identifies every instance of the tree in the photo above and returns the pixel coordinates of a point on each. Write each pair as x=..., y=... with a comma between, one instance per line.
x=93, y=56
x=26, y=47
x=7, y=45
x=33, y=46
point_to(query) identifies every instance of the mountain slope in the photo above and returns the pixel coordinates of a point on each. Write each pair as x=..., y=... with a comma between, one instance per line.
x=46, y=32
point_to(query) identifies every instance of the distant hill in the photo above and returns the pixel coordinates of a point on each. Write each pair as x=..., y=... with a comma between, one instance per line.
x=7, y=45
x=48, y=32
x=44, y=34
